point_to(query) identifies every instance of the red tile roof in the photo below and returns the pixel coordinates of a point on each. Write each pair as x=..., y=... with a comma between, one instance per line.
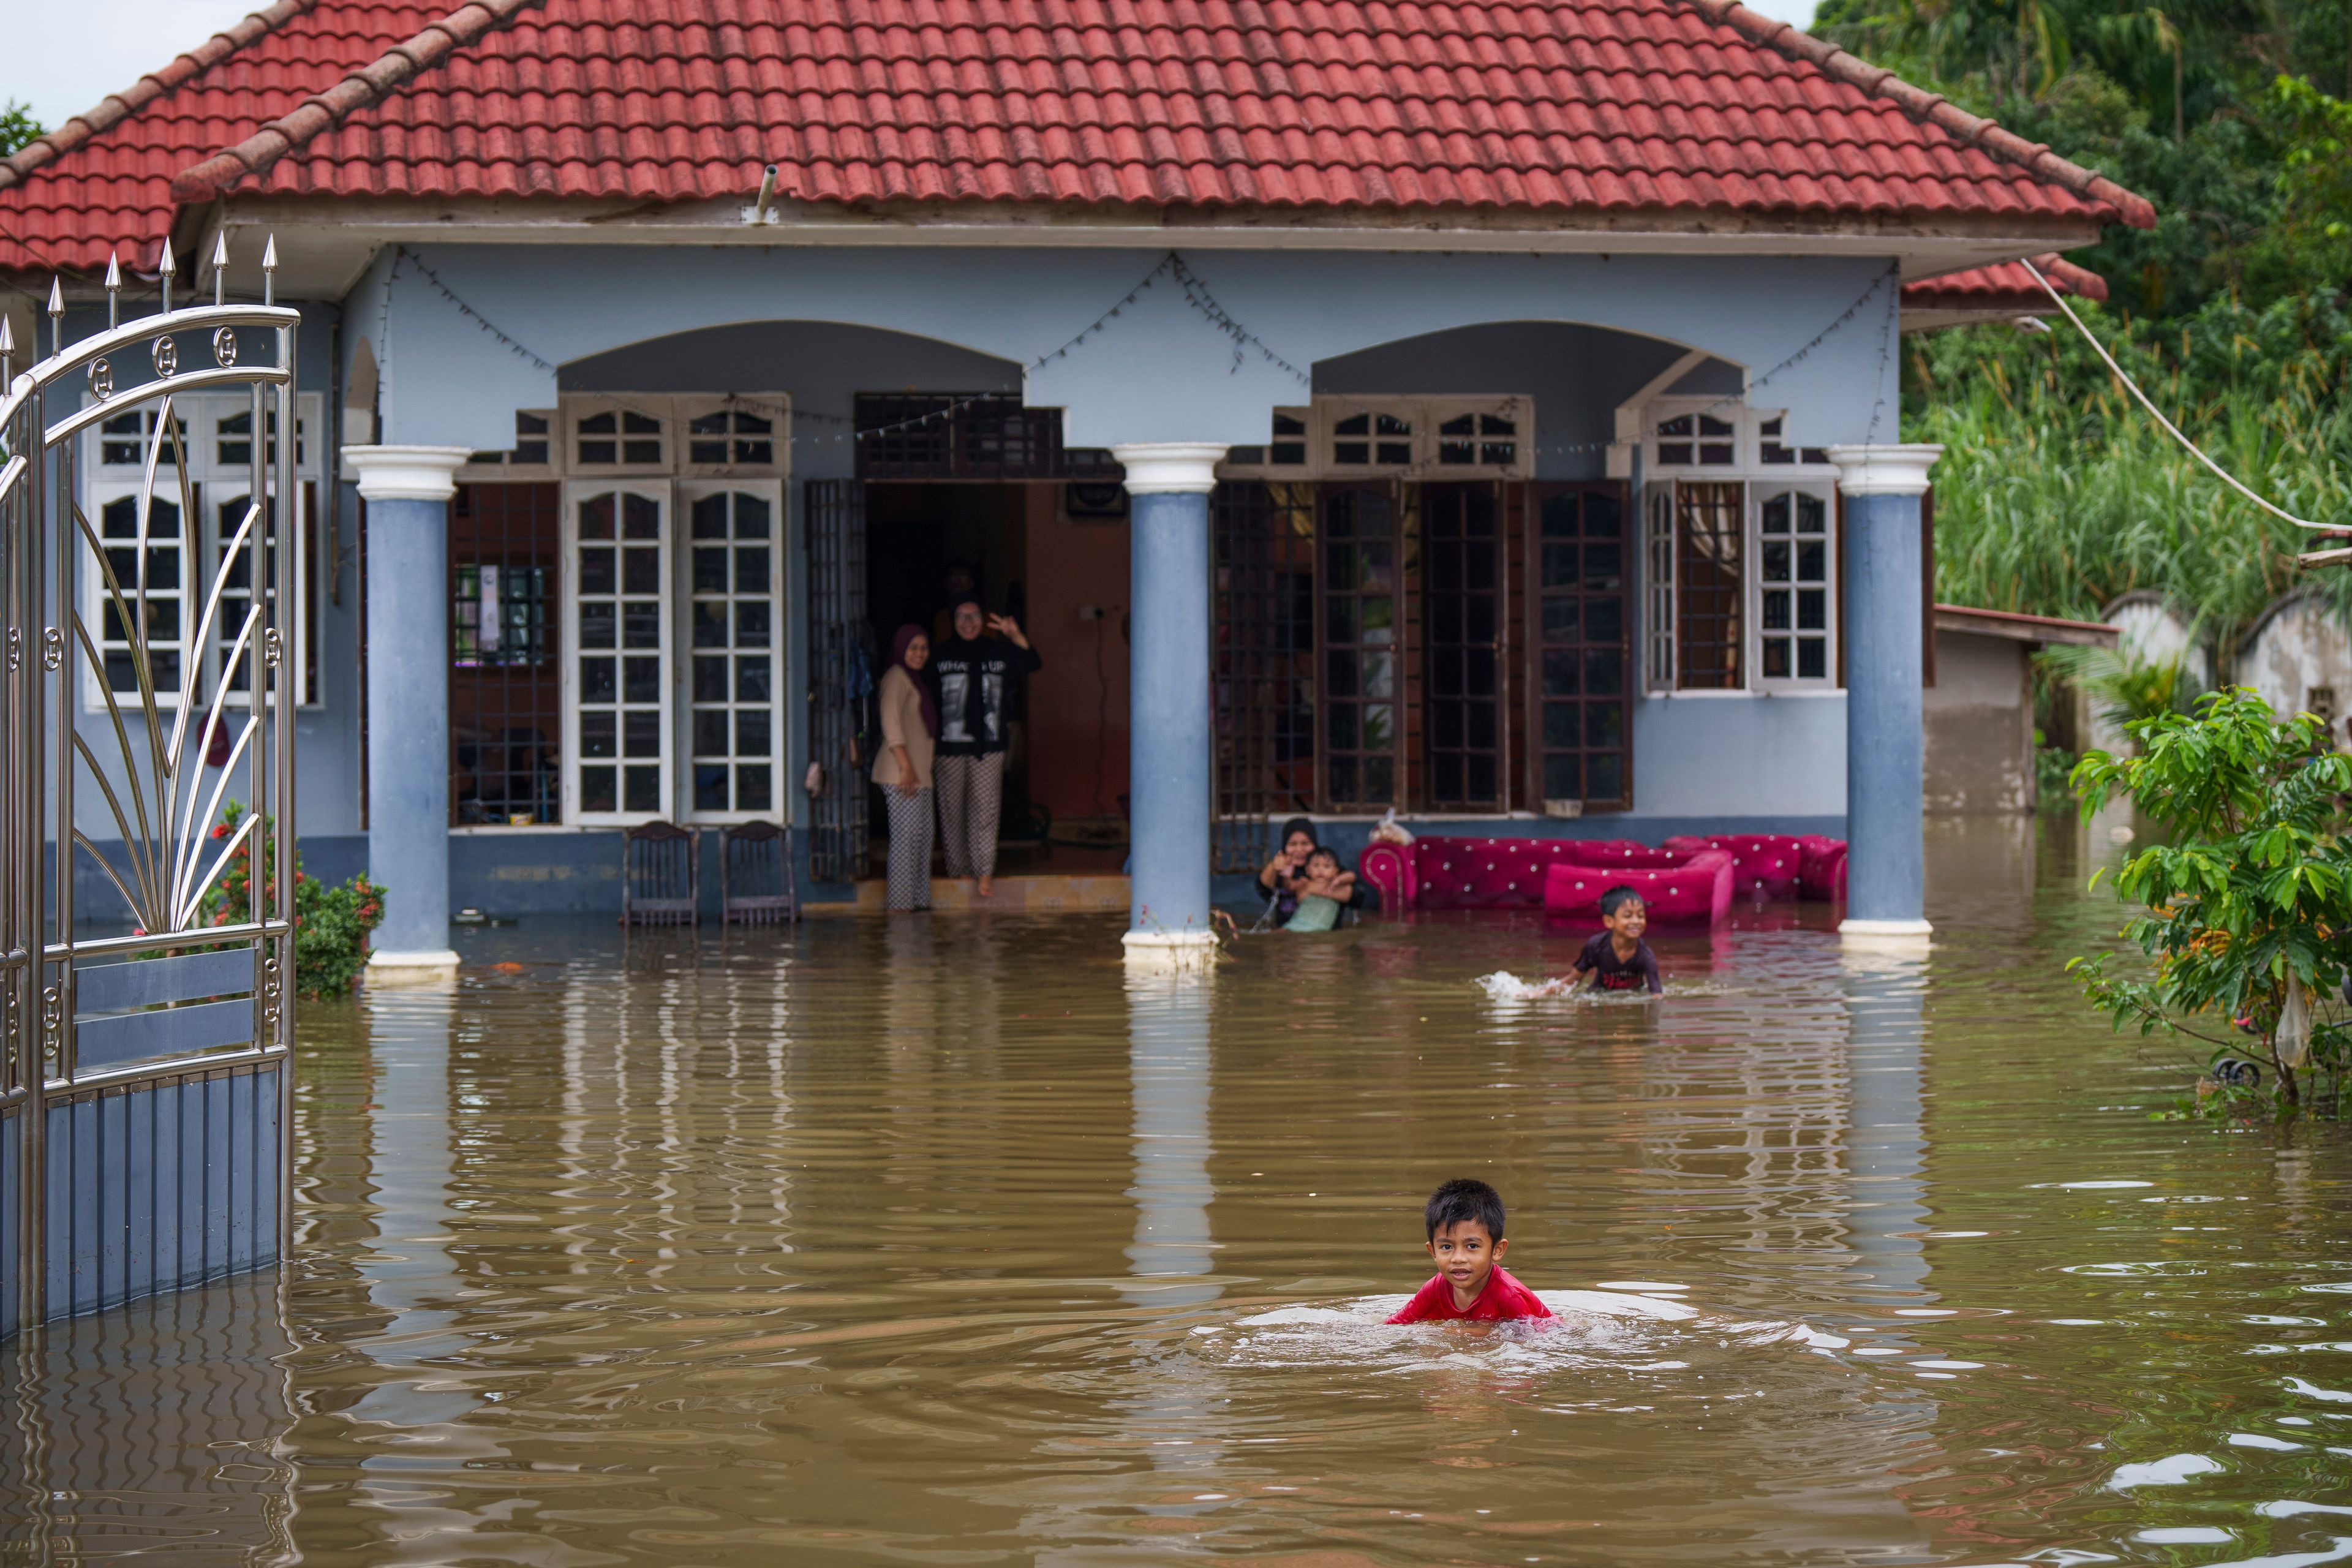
x=1677, y=109
x=2006, y=288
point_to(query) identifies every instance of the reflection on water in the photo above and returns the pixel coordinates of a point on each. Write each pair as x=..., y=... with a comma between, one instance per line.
x=945, y=1240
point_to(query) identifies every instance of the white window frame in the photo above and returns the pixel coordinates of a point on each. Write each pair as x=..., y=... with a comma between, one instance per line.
x=103, y=494
x=574, y=492
x=211, y=481
x=1423, y=444
x=623, y=408
x=1759, y=492
x=775, y=410
x=1662, y=600
x=681, y=527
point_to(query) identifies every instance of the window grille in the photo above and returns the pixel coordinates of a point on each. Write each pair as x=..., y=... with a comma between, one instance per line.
x=1794, y=567
x=1264, y=680
x=842, y=668
x=1582, y=654
x=957, y=436
x=618, y=621
x=1360, y=598
x=733, y=743
x=1709, y=585
x=1463, y=645
x=506, y=717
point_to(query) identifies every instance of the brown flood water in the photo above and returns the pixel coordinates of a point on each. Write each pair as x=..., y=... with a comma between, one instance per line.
x=946, y=1242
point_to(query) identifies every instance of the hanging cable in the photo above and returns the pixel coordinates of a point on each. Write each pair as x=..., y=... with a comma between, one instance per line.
x=2174, y=431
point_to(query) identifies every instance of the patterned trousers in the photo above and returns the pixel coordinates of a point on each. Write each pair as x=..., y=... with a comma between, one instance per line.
x=911, y=848
x=971, y=789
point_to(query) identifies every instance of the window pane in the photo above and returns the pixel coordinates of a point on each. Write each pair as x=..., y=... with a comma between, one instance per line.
x=644, y=788
x=1605, y=777
x=1563, y=619
x=710, y=511
x=709, y=778
x=596, y=517
x=1812, y=658
x=1561, y=674
x=597, y=683
x=640, y=516
x=596, y=571
x=641, y=571
x=1775, y=657
x=710, y=571
x=754, y=787
x=1604, y=724
x=600, y=735
x=1563, y=776
x=751, y=733
x=711, y=731
x=710, y=676
x=641, y=680
x=1560, y=723
x=598, y=789
x=1813, y=610
x=640, y=734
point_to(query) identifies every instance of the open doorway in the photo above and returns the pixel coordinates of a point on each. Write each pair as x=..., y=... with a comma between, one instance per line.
x=1059, y=565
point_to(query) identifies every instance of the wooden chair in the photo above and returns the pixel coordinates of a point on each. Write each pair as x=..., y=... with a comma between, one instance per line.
x=660, y=883
x=755, y=876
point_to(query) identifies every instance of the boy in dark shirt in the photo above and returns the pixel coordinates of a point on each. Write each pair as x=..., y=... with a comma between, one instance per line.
x=1618, y=959
x=1465, y=1236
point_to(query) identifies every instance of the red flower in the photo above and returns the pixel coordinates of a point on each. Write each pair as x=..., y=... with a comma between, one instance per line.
x=221, y=830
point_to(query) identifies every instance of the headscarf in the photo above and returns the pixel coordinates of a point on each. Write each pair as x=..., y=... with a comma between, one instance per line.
x=1299, y=825
x=900, y=644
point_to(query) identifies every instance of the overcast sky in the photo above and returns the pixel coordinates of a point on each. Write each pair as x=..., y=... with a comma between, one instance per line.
x=63, y=56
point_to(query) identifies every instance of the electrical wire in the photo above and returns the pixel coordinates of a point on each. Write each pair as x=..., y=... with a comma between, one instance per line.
x=2171, y=429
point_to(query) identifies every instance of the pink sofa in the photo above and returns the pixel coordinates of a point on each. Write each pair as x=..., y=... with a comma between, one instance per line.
x=1777, y=865
x=1684, y=878
x=1698, y=889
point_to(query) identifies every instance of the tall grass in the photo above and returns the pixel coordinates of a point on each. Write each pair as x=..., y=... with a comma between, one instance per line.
x=2057, y=493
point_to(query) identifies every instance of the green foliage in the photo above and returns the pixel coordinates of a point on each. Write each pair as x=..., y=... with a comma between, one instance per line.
x=2127, y=688
x=2056, y=493
x=331, y=924
x=18, y=126
x=2246, y=903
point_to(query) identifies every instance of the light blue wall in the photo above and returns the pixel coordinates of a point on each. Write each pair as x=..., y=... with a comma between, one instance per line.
x=1160, y=371
x=1739, y=755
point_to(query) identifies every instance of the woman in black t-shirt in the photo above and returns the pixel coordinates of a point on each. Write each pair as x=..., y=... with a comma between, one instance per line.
x=974, y=668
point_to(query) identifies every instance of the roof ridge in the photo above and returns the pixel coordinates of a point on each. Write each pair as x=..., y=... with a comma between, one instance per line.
x=1987, y=136
x=325, y=109
x=50, y=146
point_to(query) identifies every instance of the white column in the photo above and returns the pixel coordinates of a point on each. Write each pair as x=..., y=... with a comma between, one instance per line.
x=407, y=490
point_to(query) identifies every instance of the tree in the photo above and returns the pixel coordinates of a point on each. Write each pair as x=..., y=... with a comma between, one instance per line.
x=2246, y=904
x=18, y=126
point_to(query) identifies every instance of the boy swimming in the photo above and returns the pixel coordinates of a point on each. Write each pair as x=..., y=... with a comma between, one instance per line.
x=1618, y=959
x=1465, y=1236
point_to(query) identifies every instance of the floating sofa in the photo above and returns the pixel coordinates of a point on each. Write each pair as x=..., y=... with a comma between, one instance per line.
x=1685, y=878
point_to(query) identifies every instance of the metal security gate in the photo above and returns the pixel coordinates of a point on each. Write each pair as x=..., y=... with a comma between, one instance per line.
x=841, y=678
x=145, y=762
x=1264, y=664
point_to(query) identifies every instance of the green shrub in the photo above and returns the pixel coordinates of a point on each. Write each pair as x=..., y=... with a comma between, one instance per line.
x=2246, y=903
x=331, y=924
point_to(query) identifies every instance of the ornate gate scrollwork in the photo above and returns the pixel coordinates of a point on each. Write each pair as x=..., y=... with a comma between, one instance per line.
x=142, y=1124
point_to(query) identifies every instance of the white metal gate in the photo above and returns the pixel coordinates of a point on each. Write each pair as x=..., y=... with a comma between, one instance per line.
x=145, y=1071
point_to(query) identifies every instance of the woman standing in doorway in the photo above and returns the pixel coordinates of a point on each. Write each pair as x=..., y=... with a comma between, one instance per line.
x=975, y=667
x=911, y=724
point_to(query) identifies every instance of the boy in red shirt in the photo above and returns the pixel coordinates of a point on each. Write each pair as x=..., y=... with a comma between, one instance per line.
x=1465, y=1236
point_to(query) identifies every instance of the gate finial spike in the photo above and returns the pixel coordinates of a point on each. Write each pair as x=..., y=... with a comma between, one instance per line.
x=164, y=269
x=113, y=291
x=270, y=270
x=57, y=317
x=8, y=351
x=220, y=266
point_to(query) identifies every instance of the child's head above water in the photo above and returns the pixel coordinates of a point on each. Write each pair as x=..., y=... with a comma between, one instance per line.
x=1623, y=912
x=1322, y=865
x=1465, y=1233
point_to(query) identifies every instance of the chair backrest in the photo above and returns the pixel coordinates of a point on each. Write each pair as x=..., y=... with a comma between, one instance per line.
x=755, y=876
x=660, y=884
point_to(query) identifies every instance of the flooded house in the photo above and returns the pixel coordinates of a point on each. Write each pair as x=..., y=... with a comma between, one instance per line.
x=1485, y=414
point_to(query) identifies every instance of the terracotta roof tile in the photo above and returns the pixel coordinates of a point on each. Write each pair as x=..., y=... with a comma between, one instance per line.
x=2005, y=287
x=1531, y=106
